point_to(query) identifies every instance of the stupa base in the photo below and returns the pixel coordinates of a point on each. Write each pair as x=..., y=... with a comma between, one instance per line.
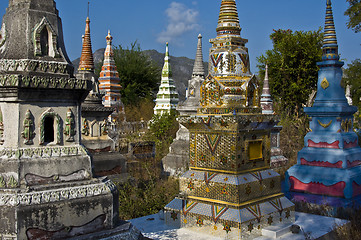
x=222, y=221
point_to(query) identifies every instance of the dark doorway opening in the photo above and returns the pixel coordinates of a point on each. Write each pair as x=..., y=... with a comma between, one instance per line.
x=44, y=42
x=48, y=130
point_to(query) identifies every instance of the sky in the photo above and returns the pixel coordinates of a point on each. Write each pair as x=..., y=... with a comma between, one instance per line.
x=153, y=22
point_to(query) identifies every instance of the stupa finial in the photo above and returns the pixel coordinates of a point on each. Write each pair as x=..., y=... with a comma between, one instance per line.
x=330, y=47
x=198, y=69
x=228, y=21
x=266, y=99
x=166, y=72
x=87, y=59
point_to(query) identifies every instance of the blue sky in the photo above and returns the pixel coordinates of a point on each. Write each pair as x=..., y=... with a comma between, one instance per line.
x=152, y=22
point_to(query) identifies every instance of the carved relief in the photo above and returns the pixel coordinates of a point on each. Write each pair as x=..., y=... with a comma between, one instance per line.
x=211, y=92
x=231, y=62
x=1, y=128
x=56, y=126
x=45, y=39
x=85, y=128
x=15, y=80
x=32, y=179
x=9, y=180
x=28, y=133
x=104, y=127
x=69, y=130
x=55, y=195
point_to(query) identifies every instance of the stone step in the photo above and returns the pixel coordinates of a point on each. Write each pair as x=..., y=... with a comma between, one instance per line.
x=276, y=231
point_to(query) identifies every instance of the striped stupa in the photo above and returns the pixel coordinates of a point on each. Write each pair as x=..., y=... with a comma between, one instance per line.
x=167, y=97
x=330, y=47
x=109, y=77
x=86, y=59
x=228, y=21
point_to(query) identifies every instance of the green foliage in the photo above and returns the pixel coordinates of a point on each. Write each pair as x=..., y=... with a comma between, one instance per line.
x=354, y=14
x=147, y=193
x=352, y=77
x=139, y=75
x=162, y=130
x=293, y=72
x=141, y=111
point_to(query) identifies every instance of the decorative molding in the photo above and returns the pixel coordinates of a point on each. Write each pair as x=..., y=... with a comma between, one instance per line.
x=28, y=125
x=325, y=84
x=50, y=113
x=33, y=179
x=26, y=153
x=55, y=195
x=323, y=124
x=15, y=80
x=2, y=140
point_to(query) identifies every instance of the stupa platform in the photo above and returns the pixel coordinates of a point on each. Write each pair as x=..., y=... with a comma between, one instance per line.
x=316, y=227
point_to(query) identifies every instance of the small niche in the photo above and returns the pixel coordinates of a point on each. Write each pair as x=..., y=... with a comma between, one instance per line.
x=48, y=129
x=44, y=42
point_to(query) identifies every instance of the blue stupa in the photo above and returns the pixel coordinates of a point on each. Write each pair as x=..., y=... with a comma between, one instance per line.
x=330, y=163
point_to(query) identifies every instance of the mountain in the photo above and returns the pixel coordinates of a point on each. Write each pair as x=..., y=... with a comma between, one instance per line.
x=182, y=67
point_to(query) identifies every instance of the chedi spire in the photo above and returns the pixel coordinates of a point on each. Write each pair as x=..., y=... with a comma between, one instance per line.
x=86, y=59
x=228, y=21
x=166, y=72
x=167, y=97
x=266, y=100
x=330, y=47
x=198, y=69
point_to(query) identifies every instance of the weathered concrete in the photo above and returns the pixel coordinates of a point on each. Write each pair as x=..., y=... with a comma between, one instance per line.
x=47, y=188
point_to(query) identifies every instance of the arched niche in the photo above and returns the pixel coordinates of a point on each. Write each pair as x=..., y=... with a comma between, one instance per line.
x=94, y=129
x=45, y=39
x=50, y=128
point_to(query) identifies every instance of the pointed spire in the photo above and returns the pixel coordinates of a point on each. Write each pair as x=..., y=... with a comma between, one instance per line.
x=87, y=59
x=266, y=100
x=109, y=77
x=228, y=21
x=166, y=72
x=330, y=47
x=198, y=69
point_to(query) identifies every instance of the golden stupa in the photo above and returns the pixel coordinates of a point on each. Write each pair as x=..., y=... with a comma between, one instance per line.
x=229, y=191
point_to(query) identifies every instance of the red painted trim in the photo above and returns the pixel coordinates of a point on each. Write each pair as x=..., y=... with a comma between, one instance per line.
x=334, y=145
x=347, y=145
x=321, y=163
x=354, y=163
x=335, y=190
x=356, y=189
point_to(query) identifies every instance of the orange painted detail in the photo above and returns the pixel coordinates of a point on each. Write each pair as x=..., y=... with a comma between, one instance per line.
x=86, y=59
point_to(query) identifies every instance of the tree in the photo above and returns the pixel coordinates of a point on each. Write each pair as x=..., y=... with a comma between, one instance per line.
x=139, y=75
x=354, y=14
x=293, y=72
x=352, y=77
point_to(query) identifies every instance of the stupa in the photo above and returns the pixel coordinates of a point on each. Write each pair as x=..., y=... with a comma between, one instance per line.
x=94, y=119
x=329, y=164
x=277, y=158
x=229, y=191
x=47, y=189
x=167, y=97
x=176, y=161
x=193, y=94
